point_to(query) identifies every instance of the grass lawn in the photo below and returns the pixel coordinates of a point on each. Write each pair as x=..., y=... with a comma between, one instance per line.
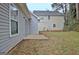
x=58, y=43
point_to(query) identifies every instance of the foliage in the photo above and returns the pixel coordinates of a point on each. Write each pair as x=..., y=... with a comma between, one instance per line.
x=73, y=10
x=72, y=23
x=59, y=6
x=76, y=27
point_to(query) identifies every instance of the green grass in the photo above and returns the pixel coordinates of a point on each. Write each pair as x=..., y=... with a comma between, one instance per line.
x=65, y=35
x=67, y=42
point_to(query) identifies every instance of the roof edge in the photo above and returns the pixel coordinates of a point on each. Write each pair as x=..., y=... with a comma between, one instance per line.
x=24, y=9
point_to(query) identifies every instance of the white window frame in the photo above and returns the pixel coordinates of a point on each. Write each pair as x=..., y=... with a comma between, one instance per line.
x=12, y=35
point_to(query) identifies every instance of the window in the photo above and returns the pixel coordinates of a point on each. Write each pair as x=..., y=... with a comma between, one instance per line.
x=14, y=13
x=13, y=19
x=49, y=17
x=39, y=20
x=14, y=27
x=54, y=25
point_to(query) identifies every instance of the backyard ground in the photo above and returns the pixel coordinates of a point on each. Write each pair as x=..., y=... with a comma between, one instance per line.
x=56, y=44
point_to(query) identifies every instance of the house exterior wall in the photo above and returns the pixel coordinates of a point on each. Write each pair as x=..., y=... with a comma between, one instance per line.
x=27, y=28
x=6, y=41
x=59, y=21
x=47, y=24
x=42, y=26
x=33, y=25
x=43, y=23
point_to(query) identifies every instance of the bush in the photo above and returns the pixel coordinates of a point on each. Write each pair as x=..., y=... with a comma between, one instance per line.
x=73, y=25
x=76, y=27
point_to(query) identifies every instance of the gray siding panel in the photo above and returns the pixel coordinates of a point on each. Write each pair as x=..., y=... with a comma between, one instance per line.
x=4, y=21
x=3, y=40
x=4, y=31
x=7, y=42
x=2, y=10
x=4, y=37
x=10, y=45
x=3, y=14
x=3, y=7
x=4, y=18
x=4, y=26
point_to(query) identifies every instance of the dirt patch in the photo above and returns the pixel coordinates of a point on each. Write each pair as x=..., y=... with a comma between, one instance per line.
x=56, y=44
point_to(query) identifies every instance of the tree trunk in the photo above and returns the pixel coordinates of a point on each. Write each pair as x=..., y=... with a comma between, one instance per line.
x=65, y=15
x=77, y=12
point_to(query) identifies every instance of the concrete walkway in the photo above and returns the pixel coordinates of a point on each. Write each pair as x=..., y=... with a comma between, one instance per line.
x=36, y=37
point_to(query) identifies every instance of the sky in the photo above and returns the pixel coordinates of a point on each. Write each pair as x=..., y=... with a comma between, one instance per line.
x=39, y=6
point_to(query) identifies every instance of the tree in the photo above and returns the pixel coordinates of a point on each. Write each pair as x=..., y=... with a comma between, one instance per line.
x=71, y=16
x=61, y=6
x=58, y=6
x=77, y=12
x=72, y=10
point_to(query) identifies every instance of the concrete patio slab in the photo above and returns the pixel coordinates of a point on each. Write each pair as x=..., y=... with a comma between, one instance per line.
x=35, y=37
